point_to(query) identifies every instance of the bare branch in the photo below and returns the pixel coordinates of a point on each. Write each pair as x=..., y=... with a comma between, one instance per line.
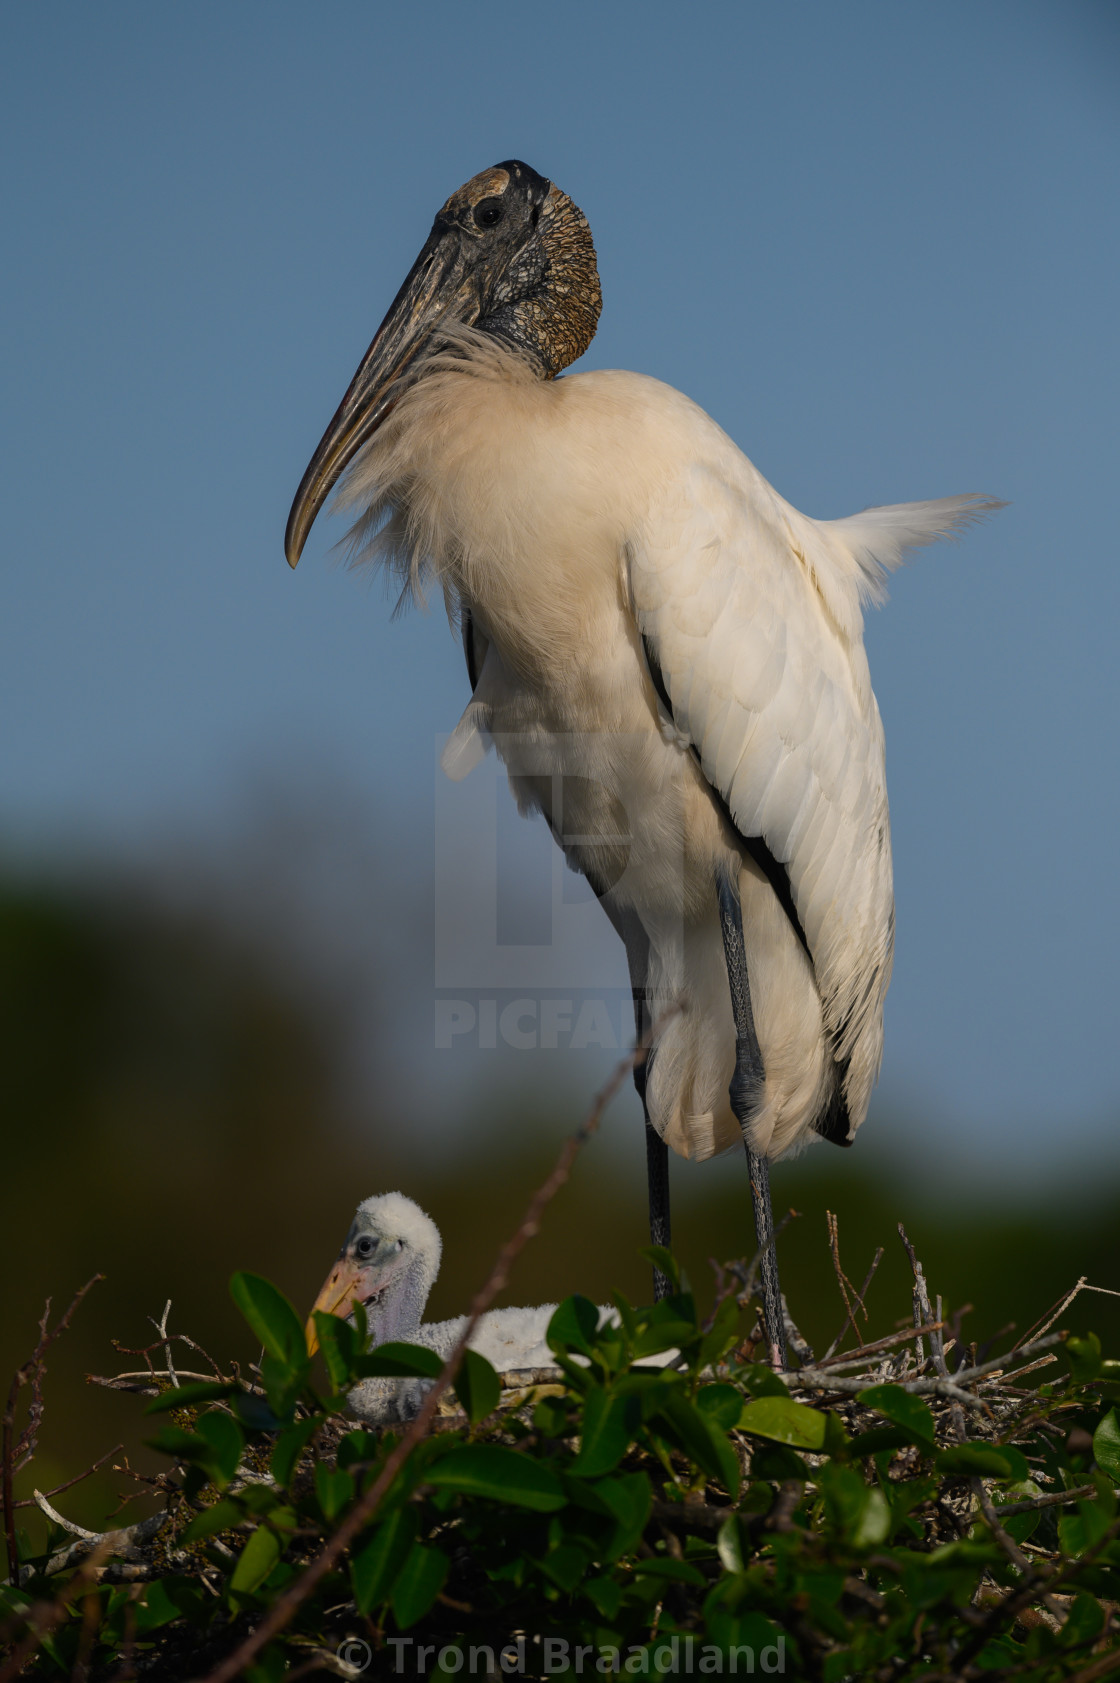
x=15, y=1456
x=1055, y=1499
x=31, y=1501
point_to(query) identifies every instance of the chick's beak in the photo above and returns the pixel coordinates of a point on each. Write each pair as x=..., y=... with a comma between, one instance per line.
x=345, y=1285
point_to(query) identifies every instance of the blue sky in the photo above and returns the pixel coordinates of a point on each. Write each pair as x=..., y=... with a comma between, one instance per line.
x=878, y=243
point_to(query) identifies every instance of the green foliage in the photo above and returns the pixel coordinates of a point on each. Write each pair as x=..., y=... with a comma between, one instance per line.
x=629, y=1506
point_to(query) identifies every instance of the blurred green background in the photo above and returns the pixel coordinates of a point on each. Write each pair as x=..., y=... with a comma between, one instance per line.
x=180, y=1082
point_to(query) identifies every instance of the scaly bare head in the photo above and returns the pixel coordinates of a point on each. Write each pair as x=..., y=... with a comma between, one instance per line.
x=510, y=254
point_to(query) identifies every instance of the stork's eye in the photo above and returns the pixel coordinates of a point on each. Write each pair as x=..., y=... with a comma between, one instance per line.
x=365, y=1246
x=489, y=212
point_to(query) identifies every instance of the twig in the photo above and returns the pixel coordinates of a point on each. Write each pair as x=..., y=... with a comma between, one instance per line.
x=922, y=1310
x=851, y=1357
x=795, y=1338
x=997, y=1362
x=363, y=1511
x=1053, y=1500
x=30, y=1373
x=66, y=1524
x=837, y=1341
x=31, y=1501
x=1054, y=1311
x=923, y=1386
x=841, y=1278
x=1042, y=1577
x=747, y=1273
x=125, y=1541
x=161, y=1328
x=1010, y=1547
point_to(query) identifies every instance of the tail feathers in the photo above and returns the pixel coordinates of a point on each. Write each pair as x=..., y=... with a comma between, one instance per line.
x=693, y=1059
x=878, y=538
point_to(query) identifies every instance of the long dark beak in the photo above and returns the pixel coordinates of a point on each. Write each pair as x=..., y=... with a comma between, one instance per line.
x=440, y=284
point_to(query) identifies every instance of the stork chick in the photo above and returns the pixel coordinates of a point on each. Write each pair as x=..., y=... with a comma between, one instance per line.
x=388, y=1263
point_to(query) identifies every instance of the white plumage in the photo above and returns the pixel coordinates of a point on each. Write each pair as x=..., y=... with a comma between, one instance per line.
x=390, y=1261
x=610, y=541
x=669, y=659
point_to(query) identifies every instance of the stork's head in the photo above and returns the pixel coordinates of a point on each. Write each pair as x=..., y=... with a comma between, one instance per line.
x=510, y=254
x=388, y=1263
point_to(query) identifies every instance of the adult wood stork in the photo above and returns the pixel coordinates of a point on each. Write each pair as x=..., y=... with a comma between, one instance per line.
x=669, y=659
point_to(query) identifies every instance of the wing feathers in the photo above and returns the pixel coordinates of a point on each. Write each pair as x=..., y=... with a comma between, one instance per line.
x=752, y=614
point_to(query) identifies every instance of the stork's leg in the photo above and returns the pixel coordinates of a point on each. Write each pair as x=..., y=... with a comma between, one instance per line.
x=745, y=1085
x=657, y=1152
x=657, y=1179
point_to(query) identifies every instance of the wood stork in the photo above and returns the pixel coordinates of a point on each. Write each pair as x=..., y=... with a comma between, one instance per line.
x=669, y=659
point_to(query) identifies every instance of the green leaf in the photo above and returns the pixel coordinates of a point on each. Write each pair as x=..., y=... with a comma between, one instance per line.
x=271, y=1317
x=785, y=1421
x=335, y=1489
x=503, y=1475
x=701, y=1440
x=566, y=1565
x=969, y=1460
x=665, y=1262
x=605, y=1595
x=289, y=1447
x=339, y=1345
x=573, y=1325
x=777, y=1463
x=256, y=1561
x=1080, y=1530
x=733, y=1544
x=761, y=1381
x=477, y=1387
x=373, y=1571
x=1083, y=1356
x=628, y=1497
x=1084, y=1623
x=903, y=1410
x=876, y=1440
x=179, y=1445
x=159, y=1606
x=1106, y=1445
x=859, y=1512
x=609, y=1421
x=399, y=1361
x=256, y=1413
x=721, y=1404
x=226, y=1440
x=418, y=1583
x=551, y=1418
x=668, y=1325
x=680, y=1571
x=283, y=1381
x=1020, y=1468
x=186, y=1396
x=221, y=1516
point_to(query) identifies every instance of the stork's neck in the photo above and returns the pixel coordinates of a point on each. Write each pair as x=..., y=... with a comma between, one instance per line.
x=401, y=1310
x=548, y=301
